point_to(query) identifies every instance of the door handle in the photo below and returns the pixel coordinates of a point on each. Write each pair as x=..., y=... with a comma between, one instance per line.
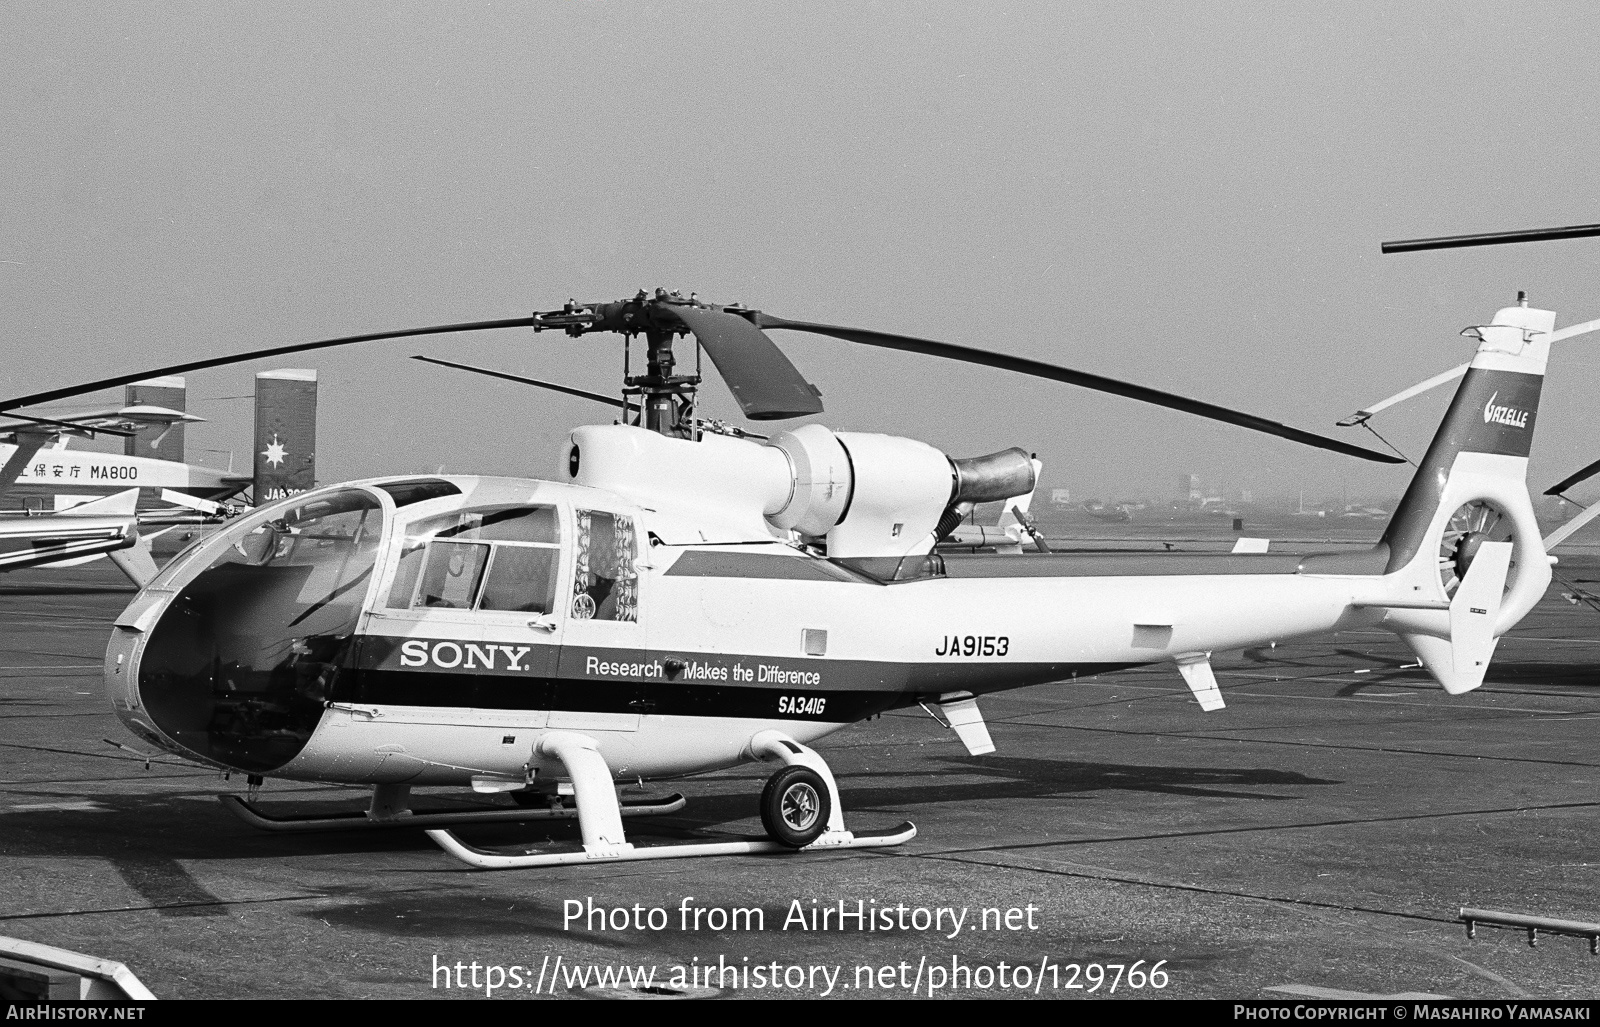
x=542, y=625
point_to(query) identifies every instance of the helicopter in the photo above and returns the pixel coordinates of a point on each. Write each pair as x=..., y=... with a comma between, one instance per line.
x=688, y=596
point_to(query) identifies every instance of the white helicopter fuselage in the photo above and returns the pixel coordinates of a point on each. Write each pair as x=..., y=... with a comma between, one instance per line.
x=740, y=642
x=716, y=642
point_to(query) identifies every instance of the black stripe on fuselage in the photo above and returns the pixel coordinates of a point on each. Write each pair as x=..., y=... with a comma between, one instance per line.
x=458, y=690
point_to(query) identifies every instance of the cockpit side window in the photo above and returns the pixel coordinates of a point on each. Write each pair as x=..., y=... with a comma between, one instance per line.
x=451, y=576
x=495, y=559
x=605, y=583
x=522, y=579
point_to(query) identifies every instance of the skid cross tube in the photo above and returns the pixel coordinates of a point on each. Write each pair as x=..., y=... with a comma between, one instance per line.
x=1533, y=925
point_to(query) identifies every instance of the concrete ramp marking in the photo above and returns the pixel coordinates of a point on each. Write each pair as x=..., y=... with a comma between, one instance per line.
x=1312, y=991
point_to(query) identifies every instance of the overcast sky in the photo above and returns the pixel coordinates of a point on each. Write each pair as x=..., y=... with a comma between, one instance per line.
x=1186, y=196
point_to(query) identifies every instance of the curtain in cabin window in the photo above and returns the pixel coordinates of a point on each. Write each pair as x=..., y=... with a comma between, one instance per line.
x=605, y=584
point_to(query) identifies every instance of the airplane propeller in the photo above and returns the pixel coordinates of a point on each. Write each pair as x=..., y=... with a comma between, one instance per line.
x=765, y=383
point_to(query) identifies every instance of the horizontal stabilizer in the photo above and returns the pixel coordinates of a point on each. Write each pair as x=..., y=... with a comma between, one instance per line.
x=1197, y=674
x=118, y=504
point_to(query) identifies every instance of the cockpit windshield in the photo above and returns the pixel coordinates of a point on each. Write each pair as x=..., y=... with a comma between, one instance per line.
x=239, y=666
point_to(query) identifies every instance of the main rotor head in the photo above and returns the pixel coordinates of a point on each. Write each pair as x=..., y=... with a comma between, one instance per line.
x=765, y=384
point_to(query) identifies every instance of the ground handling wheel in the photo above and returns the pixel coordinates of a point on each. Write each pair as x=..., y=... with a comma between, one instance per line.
x=795, y=807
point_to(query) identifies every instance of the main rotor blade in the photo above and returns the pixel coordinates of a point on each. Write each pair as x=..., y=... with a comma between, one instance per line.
x=239, y=358
x=1038, y=369
x=766, y=385
x=1450, y=242
x=607, y=400
x=1573, y=479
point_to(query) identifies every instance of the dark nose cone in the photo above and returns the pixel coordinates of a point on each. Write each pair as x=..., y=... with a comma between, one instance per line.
x=232, y=674
x=242, y=663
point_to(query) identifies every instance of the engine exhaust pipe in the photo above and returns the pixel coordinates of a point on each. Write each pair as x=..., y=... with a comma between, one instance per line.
x=989, y=479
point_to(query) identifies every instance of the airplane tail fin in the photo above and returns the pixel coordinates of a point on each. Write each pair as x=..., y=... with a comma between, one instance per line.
x=1463, y=547
x=162, y=441
x=286, y=434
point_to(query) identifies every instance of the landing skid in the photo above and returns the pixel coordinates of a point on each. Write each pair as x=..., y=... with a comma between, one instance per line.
x=493, y=859
x=600, y=820
x=253, y=816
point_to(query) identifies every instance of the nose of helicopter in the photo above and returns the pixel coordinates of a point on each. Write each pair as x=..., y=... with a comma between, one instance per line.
x=233, y=658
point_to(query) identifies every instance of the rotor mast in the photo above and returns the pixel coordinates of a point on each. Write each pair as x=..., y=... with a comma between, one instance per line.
x=666, y=400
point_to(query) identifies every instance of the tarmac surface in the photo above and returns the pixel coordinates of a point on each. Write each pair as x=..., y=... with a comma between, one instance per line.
x=1317, y=837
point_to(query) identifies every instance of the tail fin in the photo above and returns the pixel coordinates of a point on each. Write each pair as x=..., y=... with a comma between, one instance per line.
x=1469, y=493
x=162, y=441
x=286, y=434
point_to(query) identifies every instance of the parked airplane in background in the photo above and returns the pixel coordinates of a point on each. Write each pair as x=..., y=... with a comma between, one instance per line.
x=76, y=505
x=1117, y=513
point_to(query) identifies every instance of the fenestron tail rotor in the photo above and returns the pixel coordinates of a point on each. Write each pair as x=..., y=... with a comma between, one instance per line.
x=1469, y=527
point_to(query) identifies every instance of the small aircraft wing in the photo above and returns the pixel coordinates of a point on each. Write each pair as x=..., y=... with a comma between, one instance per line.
x=104, y=527
x=127, y=419
x=33, y=433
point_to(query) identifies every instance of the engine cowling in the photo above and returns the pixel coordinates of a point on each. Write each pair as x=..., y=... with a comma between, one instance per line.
x=866, y=494
x=881, y=495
